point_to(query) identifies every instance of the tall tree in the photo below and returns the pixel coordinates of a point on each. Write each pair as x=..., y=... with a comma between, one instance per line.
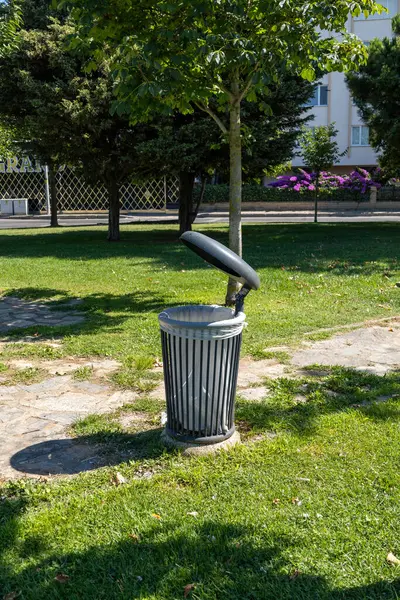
x=376, y=92
x=190, y=145
x=182, y=54
x=62, y=113
x=320, y=151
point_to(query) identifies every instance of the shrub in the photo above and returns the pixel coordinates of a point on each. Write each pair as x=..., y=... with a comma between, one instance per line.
x=358, y=180
x=257, y=193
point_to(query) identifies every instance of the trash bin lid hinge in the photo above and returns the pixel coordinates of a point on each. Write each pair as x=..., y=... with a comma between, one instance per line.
x=239, y=299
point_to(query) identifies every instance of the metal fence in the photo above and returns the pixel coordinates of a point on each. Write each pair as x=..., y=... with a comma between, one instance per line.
x=76, y=195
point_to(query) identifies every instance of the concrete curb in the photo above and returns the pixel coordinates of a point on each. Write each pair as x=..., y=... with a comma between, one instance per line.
x=200, y=449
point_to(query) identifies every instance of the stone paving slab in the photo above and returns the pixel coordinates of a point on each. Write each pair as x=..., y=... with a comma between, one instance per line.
x=16, y=313
x=374, y=349
x=34, y=418
x=41, y=412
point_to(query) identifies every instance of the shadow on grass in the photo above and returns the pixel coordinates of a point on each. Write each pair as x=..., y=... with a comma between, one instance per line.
x=297, y=404
x=339, y=248
x=215, y=560
x=88, y=452
x=104, y=313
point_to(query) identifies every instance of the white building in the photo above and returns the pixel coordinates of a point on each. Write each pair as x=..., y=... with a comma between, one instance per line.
x=332, y=102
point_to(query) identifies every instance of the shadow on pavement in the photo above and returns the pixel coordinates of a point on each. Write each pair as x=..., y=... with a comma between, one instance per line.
x=86, y=453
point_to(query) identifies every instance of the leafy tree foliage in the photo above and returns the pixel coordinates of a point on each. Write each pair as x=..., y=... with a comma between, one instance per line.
x=320, y=151
x=174, y=55
x=10, y=22
x=190, y=145
x=376, y=92
x=62, y=113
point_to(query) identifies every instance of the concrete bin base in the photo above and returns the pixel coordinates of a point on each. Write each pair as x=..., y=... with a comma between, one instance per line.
x=189, y=449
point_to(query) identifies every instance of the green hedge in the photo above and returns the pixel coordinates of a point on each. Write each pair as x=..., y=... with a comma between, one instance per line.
x=257, y=193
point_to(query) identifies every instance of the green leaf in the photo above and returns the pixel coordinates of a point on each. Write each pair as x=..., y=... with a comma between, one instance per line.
x=308, y=73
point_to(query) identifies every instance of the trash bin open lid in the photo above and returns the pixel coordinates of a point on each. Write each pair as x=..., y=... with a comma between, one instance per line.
x=222, y=258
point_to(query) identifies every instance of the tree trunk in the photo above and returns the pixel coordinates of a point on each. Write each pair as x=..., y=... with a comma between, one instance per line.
x=316, y=199
x=186, y=183
x=199, y=201
x=53, y=196
x=113, y=210
x=235, y=190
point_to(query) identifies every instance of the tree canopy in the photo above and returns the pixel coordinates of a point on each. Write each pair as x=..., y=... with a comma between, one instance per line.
x=183, y=54
x=62, y=113
x=376, y=93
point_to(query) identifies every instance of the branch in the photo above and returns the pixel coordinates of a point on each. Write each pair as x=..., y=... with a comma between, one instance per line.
x=248, y=83
x=225, y=90
x=212, y=114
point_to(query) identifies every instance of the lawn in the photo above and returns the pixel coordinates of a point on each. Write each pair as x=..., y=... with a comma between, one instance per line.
x=306, y=509
x=312, y=278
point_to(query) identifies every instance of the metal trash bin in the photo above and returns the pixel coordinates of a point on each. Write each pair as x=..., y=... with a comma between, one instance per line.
x=201, y=351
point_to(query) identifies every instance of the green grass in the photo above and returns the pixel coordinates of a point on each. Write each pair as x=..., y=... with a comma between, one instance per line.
x=310, y=514
x=136, y=375
x=311, y=278
x=103, y=428
x=31, y=350
x=83, y=373
x=28, y=375
x=306, y=509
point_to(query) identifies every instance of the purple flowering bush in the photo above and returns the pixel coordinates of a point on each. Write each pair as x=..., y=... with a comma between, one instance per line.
x=359, y=180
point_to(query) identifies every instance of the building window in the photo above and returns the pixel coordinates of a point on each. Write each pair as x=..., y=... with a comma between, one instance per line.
x=390, y=5
x=360, y=135
x=320, y=97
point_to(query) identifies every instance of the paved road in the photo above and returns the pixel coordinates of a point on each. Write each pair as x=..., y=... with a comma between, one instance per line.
x=205, y=217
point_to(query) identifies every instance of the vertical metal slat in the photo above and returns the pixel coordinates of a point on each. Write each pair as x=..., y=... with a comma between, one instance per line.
x=213, y=398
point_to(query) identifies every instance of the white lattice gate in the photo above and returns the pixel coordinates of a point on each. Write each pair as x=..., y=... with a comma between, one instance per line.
x=25, y=185
x=76, y=195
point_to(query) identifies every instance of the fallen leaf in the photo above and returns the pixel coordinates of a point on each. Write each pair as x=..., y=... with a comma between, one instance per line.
x=134, y=537
x=295, y=574
x=275, y=501
x=11, y=596
x=193, y=513
x=392, y=559
x=155, y=516
x=118, y=479
x=187, y=589
x=61, y=578
x=296, y=501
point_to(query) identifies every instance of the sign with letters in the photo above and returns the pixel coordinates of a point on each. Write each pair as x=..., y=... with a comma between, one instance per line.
x=24, y=164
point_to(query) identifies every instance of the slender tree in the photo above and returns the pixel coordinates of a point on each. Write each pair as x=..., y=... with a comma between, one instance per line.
x=183, y=54
x=190, y=145
x=320, y=151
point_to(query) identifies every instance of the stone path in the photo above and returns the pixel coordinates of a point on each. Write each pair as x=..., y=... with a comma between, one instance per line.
x=16, y=313
x=375, y=349
x=34, y=418
x=41, y=412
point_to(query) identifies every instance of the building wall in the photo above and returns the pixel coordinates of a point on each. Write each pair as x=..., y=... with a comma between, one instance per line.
x=340, y=109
